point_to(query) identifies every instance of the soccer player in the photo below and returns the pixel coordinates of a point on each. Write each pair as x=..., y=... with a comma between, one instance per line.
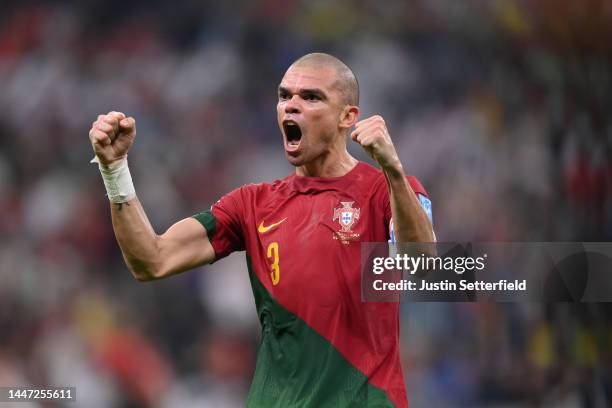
x=321, y=345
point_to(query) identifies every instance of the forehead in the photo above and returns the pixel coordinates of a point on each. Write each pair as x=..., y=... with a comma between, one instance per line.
x=304, y=77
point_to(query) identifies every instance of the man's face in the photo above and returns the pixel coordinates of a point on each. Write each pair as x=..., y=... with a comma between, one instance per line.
x=309, y=110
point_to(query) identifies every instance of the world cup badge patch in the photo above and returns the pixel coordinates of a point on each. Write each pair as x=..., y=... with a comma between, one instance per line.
x=347, y=216
x=426, y=203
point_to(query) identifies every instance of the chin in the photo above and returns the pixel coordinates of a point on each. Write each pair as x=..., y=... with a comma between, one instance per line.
x=294, y=161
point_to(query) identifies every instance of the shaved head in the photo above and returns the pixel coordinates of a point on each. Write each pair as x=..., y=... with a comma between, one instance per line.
x=346, y=82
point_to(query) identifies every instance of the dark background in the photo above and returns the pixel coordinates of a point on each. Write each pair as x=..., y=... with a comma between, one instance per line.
x=501, y=108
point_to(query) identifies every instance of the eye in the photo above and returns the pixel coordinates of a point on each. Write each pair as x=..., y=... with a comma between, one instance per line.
x=282, y=95
x=311, y=97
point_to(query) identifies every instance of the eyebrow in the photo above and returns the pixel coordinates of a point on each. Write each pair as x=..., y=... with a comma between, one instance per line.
x=305, y=91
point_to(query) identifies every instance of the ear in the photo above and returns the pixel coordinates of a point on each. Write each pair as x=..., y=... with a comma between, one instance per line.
x=349, y=116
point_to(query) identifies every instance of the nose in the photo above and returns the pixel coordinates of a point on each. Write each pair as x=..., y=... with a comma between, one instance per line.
x=292, y=105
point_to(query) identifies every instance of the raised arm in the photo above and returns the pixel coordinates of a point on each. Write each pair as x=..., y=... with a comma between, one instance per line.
x=410, y=221
x=149, y=256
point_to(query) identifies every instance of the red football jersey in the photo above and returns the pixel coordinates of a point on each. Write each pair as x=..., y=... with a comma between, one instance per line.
x=321, y=345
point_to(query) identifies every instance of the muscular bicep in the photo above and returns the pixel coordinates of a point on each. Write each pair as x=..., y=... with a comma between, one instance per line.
x=185, y=245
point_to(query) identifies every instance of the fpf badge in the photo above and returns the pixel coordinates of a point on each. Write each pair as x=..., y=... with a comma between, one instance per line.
x=347, y=216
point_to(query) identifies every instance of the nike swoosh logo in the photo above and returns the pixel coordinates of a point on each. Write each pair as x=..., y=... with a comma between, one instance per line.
x=263, y=229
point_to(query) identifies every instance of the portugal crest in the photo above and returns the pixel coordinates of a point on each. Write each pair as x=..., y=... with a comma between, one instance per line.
x=347, y=216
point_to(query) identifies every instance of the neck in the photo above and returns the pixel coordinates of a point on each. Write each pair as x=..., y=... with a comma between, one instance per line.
x=335, y=163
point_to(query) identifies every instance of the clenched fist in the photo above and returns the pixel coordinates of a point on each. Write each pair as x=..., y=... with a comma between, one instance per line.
x=372, y=135
x=111, y=136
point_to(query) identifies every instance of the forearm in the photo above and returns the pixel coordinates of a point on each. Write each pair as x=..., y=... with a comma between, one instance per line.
x=410, y=221
x=149, y=256
x=134, y=233
x=138, y=241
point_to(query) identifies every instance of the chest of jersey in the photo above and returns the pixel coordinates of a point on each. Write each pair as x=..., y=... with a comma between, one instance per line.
x=306, y=248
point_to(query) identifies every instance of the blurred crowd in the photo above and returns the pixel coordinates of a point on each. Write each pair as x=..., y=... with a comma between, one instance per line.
x=501, y=108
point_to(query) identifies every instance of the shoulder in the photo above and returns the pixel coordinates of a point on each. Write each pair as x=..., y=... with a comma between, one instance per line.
x=258, y=193
x=379, y=178
x=367, y=170
x=416, y=185
x=276, y=186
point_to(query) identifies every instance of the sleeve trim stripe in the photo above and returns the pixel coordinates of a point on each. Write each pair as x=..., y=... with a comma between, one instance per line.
x=208, y=220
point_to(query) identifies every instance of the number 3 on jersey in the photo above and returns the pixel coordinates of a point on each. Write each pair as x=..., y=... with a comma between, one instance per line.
x=273, y=256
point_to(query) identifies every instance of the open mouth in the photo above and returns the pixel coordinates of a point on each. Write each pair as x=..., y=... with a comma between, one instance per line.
x=293, y=134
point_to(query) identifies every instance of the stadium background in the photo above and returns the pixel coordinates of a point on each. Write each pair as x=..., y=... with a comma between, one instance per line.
x=501, y=108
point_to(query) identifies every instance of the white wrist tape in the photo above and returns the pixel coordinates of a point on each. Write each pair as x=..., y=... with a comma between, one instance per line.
x=117, y=180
